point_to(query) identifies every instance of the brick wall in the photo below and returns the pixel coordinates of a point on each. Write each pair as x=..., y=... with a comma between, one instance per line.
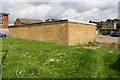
x=54, y=33
x=5, y=20
x=67, y=33
x=80, y=33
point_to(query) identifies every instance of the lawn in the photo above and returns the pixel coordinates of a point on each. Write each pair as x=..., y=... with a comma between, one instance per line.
x=31, y=59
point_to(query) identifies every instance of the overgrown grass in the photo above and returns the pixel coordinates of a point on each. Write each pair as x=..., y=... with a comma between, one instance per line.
x=31, y=59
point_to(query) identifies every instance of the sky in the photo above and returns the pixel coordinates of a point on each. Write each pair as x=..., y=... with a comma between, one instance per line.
x=73, y=10
x=119, y=10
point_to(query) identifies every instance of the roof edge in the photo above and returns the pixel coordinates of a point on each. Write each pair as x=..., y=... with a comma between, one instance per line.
x=82, y=23
x=46, y=23
x=41, y=23
x=4, y=14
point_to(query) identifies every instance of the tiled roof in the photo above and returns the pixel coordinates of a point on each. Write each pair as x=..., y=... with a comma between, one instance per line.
x=29, y=21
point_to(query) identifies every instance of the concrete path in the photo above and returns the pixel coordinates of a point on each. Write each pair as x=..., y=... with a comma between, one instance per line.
x=106, y=39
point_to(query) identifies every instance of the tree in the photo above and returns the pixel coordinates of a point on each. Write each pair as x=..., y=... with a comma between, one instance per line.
x=101, y=21
x=118, y=25
x=90, y=21
x=109, y=20
x=116, y=20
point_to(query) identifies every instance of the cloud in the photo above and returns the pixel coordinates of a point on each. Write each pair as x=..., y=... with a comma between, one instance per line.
x=58, y=0
x=0, y=7
x=36, y=11
x=24, y=10
x=30, y=0
x=71, y=14
x=56, y=11
x=82, y=11
x=119, y=10
x=91, y=13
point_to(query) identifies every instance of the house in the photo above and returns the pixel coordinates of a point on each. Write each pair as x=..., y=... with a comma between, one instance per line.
x=62, y=32
x=4, y=20
x=21, y=21
x=110, y=26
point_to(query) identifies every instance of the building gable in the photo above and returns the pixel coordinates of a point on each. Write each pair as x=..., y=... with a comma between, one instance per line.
x=17, y=22
x=20, y=21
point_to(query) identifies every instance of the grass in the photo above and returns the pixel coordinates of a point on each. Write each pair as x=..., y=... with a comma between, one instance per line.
x=31, y=59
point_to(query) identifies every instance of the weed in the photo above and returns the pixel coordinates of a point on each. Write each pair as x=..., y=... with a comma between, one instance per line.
x=31, y=59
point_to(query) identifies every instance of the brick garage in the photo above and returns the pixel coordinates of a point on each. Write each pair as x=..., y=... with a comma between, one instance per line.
x=63, y=32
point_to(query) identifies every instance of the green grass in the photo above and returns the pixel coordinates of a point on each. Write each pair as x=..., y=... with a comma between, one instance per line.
x=31, y=59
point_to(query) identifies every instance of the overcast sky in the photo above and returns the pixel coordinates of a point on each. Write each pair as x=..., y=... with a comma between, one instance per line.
x=74, y=10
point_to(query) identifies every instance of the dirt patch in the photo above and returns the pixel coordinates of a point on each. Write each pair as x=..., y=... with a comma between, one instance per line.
x=91, y=47
x=100, y=45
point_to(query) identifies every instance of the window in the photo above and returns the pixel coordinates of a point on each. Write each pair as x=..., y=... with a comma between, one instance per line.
x=1, y=23
x=105, y=27
x=1, y=16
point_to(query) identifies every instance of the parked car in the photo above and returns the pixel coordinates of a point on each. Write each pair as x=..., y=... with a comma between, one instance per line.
x=115, y=34
x=2, y=35
x=105, y=33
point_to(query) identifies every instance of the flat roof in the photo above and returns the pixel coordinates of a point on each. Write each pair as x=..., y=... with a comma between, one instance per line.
x=41, y=23
x=82, y=23
x=4, y=14
x=46, y=23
